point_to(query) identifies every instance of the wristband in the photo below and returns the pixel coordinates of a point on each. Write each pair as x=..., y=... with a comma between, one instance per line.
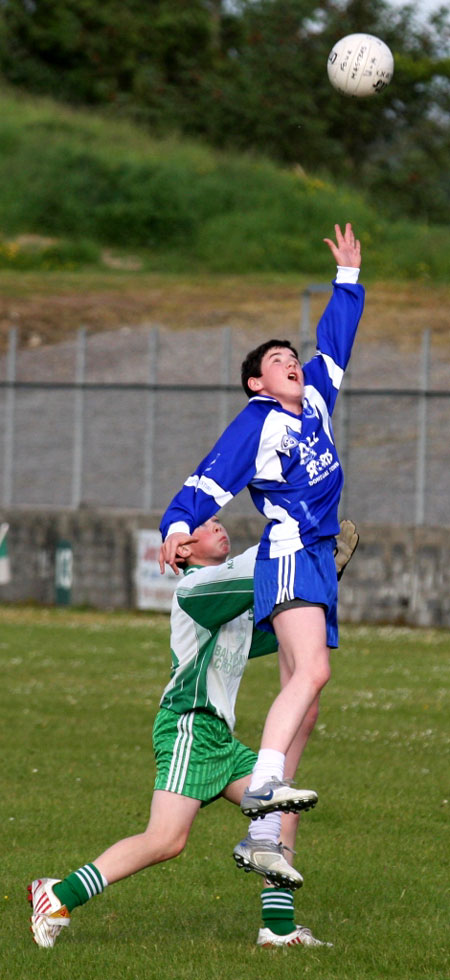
x=348, y=274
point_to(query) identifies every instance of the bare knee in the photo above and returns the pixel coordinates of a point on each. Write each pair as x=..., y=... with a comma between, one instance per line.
x=323, y=676
x=317, y=673
x=173, y=848
x=164, y=849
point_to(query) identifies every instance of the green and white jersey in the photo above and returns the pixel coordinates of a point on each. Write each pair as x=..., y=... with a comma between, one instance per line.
x=212, y=637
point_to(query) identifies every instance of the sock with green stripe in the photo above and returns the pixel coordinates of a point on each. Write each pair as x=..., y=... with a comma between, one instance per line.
x=278, y=910
x=80, y=886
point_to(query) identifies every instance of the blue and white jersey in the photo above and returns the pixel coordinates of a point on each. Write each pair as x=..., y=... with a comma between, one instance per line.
x=289, y=462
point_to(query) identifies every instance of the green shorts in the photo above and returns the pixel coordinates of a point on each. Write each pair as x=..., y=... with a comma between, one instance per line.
x=196, y=754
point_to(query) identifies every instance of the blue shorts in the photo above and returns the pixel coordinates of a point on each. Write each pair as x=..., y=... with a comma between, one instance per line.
x=308, y=574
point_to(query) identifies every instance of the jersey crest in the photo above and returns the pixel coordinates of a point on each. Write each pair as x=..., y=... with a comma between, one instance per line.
x=289, y=440
x=296, y=448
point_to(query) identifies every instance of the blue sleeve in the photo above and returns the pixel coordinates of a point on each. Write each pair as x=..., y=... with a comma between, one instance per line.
x=226, y=470
x=336, y=332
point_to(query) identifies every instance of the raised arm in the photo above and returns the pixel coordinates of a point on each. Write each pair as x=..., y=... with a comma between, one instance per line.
x=338, y=324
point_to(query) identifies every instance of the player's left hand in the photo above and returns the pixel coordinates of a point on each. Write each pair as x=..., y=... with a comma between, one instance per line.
x=346, y=545
x=347, y=248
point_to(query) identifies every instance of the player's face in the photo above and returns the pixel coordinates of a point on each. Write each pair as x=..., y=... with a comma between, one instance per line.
x=212, y=545
x=281, y=377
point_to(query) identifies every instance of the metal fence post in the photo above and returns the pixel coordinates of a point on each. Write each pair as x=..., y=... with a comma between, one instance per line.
x=305, y=326
x=225, y=379
x=421, y=458
x=78, y=419
x=307, y=344
x=149, y=437
x=10, y=401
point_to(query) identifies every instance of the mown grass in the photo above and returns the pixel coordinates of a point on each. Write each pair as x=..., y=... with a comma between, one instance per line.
x=85, y=182
x=79, y=694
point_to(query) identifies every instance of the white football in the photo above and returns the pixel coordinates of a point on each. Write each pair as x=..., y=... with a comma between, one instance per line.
x=360, y=65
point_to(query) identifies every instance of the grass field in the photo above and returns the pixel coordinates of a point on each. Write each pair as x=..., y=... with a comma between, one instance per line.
x=79, y=693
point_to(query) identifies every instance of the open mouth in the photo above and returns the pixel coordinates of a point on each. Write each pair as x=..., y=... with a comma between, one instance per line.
x=292, y=376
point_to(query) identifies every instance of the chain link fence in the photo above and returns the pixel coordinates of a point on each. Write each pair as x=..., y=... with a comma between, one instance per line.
x=119, y=419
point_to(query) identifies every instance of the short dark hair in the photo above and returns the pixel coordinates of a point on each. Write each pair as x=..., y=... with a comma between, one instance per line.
x=251, y=367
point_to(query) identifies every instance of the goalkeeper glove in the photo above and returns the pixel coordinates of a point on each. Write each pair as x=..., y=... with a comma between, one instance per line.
x=346, y=544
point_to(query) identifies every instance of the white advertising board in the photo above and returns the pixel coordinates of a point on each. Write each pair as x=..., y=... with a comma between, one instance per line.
x=153, y=590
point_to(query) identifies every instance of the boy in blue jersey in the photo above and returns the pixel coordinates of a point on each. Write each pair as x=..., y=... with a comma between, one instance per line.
x=281, y=447
x=198, y=759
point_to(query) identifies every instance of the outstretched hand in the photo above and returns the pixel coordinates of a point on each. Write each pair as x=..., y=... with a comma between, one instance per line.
x=347, y=249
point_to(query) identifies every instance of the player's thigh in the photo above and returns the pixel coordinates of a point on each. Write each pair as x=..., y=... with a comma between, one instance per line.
x=172, y=815
x=302, y=634
x=235, y=791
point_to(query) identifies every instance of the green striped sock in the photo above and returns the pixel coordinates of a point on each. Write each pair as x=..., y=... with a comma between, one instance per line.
x=80, y=886
x=278, y=910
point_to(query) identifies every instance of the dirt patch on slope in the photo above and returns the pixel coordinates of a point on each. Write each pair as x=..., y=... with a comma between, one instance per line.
x=52, y=311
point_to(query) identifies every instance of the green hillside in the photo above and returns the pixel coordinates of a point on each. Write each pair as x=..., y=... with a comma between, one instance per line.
x=84, y=183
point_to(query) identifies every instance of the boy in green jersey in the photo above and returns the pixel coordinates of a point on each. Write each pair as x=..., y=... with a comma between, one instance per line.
x=198, y=759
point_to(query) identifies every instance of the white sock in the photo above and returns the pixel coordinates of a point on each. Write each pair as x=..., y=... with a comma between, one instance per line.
x=267, y=829
x=269, y=763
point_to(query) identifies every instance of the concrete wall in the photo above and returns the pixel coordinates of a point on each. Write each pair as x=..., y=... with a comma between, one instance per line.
x=398, y=575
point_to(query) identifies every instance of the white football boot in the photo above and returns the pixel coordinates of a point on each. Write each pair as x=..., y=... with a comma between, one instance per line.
x=266, y=858
x=276, y=795
x=49, y=915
